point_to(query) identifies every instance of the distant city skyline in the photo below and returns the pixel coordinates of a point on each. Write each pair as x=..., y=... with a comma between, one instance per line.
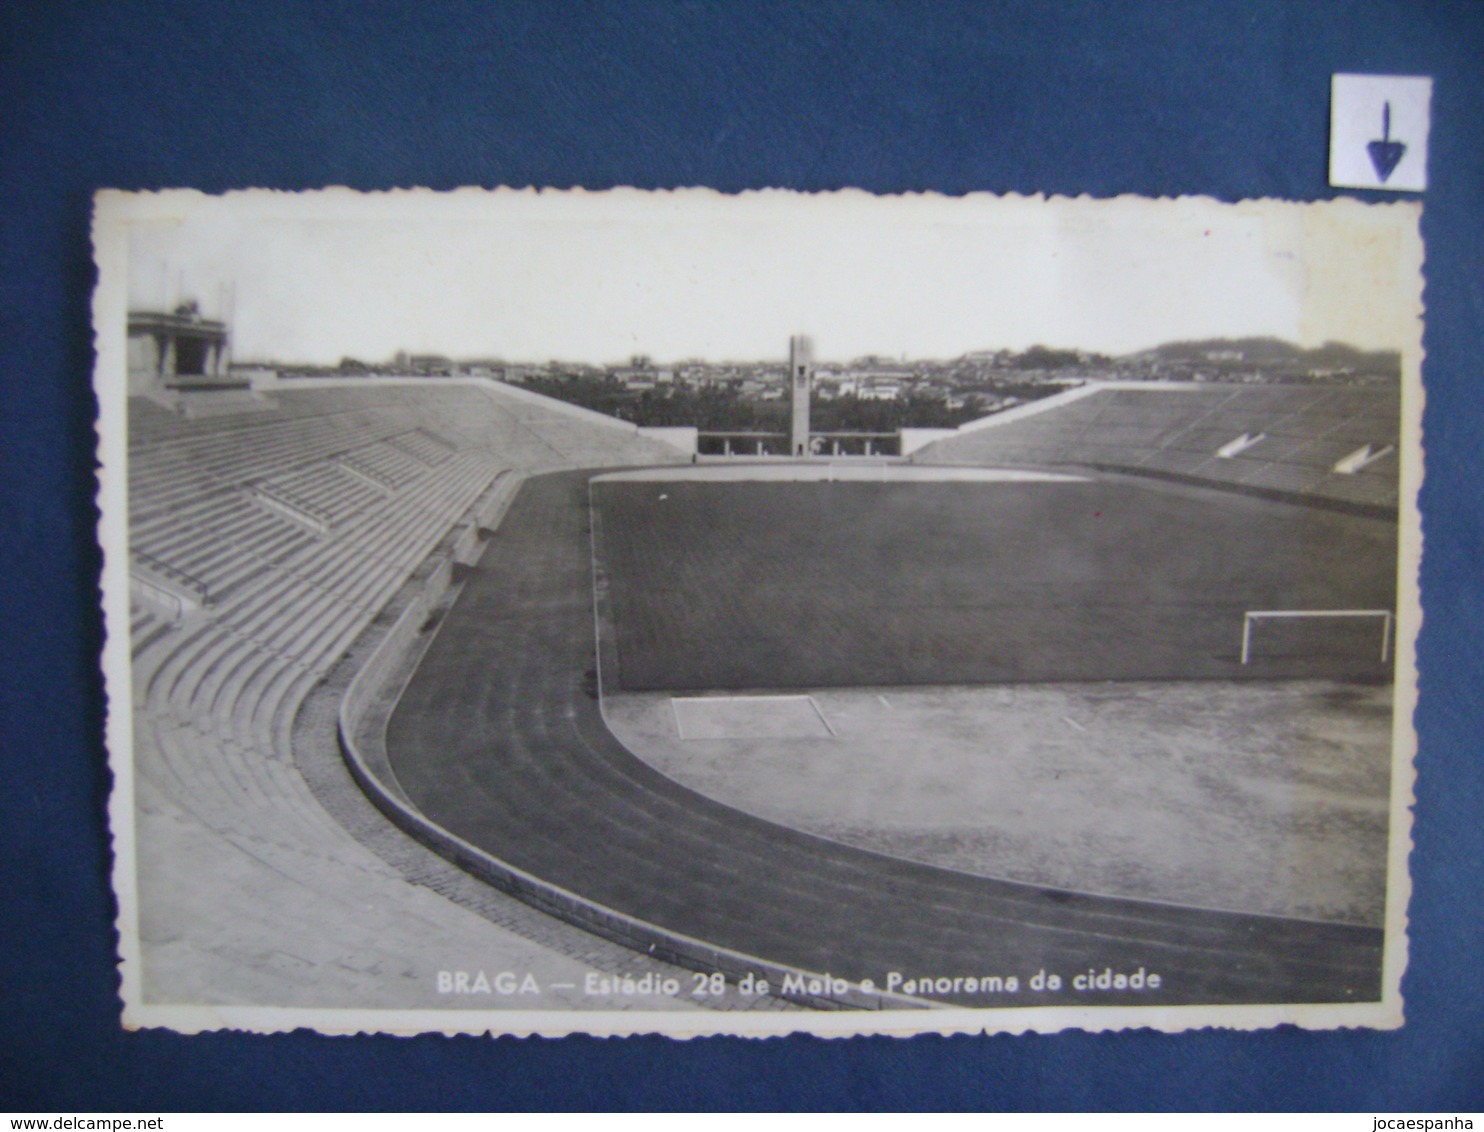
x=598, y=278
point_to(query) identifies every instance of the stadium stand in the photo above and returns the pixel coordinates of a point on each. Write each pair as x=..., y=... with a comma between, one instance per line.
x=262, y=545
x=1328, y=444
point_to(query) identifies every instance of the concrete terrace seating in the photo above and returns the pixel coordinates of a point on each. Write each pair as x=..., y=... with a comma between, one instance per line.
x=386, y=464
x=218, y=538
x=284, y=620
x=144, y=629
x=574, y=443
x=397, y=469
x=1304, y=432
x=423, y=445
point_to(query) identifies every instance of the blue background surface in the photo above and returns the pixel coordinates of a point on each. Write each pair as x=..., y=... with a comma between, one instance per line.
x=1229, y=100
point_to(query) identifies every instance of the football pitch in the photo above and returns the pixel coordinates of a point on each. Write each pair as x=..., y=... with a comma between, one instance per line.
x=772, y=585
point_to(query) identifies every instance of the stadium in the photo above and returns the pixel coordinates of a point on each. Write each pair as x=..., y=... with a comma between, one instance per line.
x=437, y=678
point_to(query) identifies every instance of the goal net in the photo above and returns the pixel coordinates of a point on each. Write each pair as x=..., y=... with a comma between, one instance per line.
x=1258, y=627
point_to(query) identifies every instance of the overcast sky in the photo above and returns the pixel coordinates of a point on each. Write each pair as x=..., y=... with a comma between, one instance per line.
x=600, y=277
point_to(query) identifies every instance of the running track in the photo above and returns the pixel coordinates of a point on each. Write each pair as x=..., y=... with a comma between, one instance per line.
x=499, y=740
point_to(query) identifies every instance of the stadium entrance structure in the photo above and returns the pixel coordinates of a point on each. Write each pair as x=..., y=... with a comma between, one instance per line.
x=801, y=442
x=728, y=444
x=168, y=349
x=832, y=445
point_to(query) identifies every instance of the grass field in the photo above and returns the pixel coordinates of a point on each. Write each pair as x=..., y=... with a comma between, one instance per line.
x=795, y=585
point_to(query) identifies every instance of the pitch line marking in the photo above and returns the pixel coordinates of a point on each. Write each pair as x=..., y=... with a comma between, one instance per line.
x=820, y=712
x=741, y=730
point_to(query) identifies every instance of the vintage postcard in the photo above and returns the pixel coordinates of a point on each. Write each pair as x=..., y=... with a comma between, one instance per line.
x=628, y=612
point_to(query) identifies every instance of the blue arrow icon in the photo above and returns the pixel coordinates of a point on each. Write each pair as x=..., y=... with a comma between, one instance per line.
x=1385, y=153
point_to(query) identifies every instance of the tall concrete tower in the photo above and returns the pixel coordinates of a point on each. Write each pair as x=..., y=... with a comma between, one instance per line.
x=801, y=381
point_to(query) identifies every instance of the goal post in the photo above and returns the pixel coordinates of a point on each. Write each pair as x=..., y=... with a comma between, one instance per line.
x=1252, y=616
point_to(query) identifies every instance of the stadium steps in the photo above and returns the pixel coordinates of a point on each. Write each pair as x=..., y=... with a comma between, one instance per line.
x=387, y=462
x=425, y=446
x=331, y=489
x=145, y=629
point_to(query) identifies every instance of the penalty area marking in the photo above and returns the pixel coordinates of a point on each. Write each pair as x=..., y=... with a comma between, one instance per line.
x=750, y=717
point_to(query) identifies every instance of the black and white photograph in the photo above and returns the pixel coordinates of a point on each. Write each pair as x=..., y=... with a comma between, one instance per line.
x=675, y=612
